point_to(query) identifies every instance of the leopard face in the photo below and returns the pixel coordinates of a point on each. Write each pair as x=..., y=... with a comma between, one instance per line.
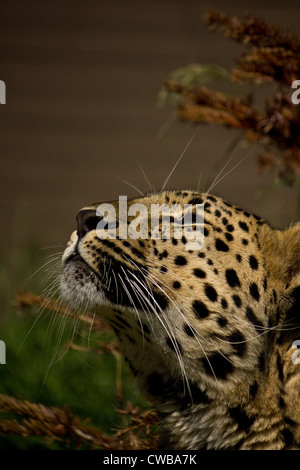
x=208, y=332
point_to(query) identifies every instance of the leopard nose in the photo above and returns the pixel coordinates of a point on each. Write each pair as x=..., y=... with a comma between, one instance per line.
x=87, y=220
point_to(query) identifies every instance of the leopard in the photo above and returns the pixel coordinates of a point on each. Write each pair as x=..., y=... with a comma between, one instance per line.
x=211, y=335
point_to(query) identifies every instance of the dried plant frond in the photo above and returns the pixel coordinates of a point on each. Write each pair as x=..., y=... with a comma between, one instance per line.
x=51, y=423
x=252, y=30
x=205, y=105
x=272, y=56
x=29, y=299
x=56, y=424
x=139, y=428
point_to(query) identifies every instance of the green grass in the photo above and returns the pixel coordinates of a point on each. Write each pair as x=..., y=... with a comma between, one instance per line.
x=40, y=368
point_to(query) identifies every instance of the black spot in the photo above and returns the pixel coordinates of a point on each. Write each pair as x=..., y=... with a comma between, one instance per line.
x=175, y=390
x=224, y=221
x=174, y=344
x=180, y=260
x=253, y=262
x=228, y=237
x=270, y=320
x=217, y=213
x=288, y=437
x=211, y=198
x=217, y=365
x=156, y=385
x=261, y=362
x=201, y=255
x=189, y=330
x=196, y=200
x=253, y=389
x=232, y=278
x=290, y=422
x=174, y=241
x=199, y=273
x=117, y=249
x=230, y=228
x=224, y=303
x=143, y=327
x=133, y=369
x=222, y=321
x=160, y=300
x=197, y=396
x=244, y=226
x=163, y=269
x=281, y=403
x=116, y=326
x=122, y=320
x=239, y=258
x=130, y=339
x=176, y=285
x=206, y=232
x=253, y=319
x=253, y=289
x=210, y=292
x=237, y=300
x=200, y=309
x=220, y=245
x=240, y=416
x=279, y=367
x=265, y=283
x=245, y=241
x=237, y=340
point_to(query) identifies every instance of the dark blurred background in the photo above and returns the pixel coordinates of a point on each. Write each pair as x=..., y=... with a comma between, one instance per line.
x=82, y=80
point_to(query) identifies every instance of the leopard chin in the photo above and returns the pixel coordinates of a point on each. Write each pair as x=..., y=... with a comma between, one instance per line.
x=209, y=333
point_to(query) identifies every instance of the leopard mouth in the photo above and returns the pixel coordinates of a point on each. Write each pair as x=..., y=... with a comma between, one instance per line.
x=80, y=285
x=117, y=285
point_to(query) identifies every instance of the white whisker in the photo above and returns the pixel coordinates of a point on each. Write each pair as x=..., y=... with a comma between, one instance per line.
x=179, y=159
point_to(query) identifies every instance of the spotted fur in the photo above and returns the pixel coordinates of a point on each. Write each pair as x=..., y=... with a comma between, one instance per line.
x=208, y=334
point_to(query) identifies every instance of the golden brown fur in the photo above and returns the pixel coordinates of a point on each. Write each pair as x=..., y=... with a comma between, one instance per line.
x=208, y=334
